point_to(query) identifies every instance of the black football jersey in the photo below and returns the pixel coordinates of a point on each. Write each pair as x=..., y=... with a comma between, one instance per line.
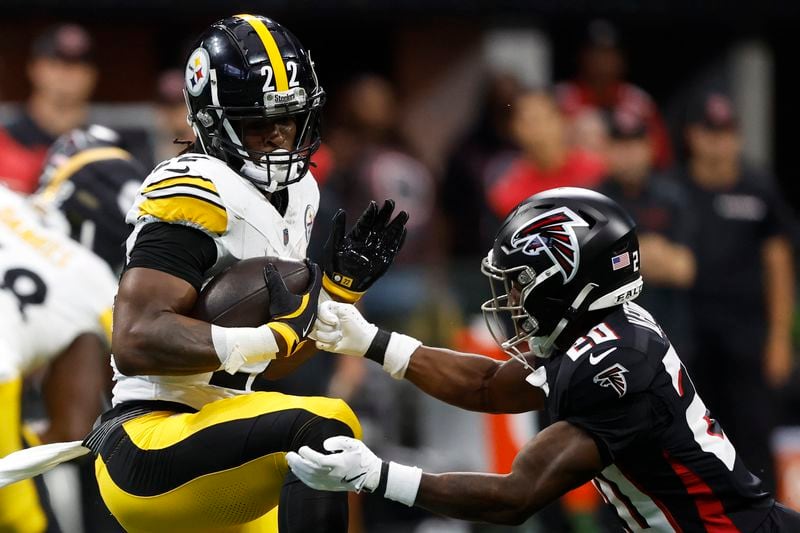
x=669, y=465
x=94, y=189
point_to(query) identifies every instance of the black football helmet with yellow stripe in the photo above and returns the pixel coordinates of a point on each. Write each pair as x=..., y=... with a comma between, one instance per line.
x=249, y=68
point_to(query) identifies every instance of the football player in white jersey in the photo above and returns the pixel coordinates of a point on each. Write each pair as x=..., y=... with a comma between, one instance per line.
x=55, y=300
x=189, y=444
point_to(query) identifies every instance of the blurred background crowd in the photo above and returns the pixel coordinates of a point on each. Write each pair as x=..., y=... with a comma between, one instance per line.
x=683, y=115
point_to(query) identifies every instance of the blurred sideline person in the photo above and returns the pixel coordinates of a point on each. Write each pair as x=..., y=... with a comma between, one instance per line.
x=63, y=76
x=600, y=85
x=92, y=180
x=55, y=300
x=546, y=160
x=470, y=223
x=190, y=445
x=564, y=270
x=659, y=206
x=743, y=295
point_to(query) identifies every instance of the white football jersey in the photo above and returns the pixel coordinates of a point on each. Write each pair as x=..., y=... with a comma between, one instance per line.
x=204, y=193
x=52, y=289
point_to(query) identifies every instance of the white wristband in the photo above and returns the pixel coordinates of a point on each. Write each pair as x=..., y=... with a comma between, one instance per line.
x=402, y=483
x=398, y=354
x=237, y=347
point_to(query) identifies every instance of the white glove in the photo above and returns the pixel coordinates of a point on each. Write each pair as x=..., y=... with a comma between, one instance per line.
x=351, y=466
x=340, y=328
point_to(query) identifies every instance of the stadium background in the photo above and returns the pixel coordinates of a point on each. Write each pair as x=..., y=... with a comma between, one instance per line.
x=437, y=55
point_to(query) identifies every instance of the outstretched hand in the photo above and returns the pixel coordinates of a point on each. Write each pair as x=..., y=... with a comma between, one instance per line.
x=354, y=261
x=349, y=465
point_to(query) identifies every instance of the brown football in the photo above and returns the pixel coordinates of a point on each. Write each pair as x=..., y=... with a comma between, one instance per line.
x=238, y=296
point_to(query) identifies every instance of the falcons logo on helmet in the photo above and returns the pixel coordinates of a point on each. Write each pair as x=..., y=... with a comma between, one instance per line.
x=552, y=233
x=613, y=377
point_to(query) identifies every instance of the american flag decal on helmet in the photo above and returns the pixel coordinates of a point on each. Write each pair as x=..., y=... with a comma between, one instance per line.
x=553, y=233
x=613, y=377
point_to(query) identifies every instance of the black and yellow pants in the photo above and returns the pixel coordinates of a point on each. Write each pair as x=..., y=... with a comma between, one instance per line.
x=24, y=507
x=219, y=469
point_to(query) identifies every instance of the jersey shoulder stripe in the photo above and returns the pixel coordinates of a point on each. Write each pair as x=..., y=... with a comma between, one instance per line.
x=186, y=208
x=198, y=182
x=179, y=192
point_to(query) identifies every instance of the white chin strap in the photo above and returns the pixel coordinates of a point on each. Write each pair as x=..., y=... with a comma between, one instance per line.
x=273, y=176
x=542, y=347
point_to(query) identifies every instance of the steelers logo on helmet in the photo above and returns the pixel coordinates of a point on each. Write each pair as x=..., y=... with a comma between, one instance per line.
x=197, y=71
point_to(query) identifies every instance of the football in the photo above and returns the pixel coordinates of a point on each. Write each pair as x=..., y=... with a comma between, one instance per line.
x=238, y=296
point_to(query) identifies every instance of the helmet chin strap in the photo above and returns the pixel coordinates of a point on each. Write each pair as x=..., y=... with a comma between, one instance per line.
x=542, y=347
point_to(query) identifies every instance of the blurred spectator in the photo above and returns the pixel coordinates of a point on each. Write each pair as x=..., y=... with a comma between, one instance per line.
x=371, y=161
x=600, y=84
x=744, y=289
x=92, y=180
x=546, y=160
x=463, y=194
x=659, y=207
x=172, y=123
x=63, y=76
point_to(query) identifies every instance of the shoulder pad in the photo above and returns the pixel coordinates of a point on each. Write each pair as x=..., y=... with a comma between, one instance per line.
x=606, y=374
x=182, y=190
x=605, y=365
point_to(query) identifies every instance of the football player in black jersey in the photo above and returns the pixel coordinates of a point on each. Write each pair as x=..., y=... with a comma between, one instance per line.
x=564, y=271
x=92, y=180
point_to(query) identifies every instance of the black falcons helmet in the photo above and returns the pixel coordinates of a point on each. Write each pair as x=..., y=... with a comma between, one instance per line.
x=559, y=254
x=247, y=68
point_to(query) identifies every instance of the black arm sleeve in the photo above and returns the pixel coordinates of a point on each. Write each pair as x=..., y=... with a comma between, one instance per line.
x=182, y=251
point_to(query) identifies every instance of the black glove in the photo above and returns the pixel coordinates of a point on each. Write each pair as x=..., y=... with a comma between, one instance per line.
x=353, y=262
x=292, y=315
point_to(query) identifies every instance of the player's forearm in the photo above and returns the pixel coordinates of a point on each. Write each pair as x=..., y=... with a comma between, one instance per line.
x=779, y=281
x=475, y=497
x=456, y=378
x=166, y=344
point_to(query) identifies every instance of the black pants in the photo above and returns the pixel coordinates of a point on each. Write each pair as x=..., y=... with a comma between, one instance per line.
x=727, y=367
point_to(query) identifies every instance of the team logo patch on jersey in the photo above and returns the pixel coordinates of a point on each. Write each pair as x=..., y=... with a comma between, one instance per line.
x=309, y=218
x=552, y=233
x=197, y=71
x=613, y=377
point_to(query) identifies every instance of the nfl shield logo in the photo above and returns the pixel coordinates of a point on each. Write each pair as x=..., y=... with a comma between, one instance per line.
x=285, y=236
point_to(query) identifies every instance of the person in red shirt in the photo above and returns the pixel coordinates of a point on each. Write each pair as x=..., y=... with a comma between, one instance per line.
x=600, y=85
x=63, y=76
x=546, y=161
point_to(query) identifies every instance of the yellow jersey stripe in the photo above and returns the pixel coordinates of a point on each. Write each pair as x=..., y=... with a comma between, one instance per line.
x=77, y=162
x=106, y=318
x=162, y=429
x=297, y=312
x=195, y=181
x=275, y=58
x=187, y=209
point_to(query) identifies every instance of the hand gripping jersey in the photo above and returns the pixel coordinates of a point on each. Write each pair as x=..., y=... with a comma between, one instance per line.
x=202, y=192
x=670, y=466
x=52, y=289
